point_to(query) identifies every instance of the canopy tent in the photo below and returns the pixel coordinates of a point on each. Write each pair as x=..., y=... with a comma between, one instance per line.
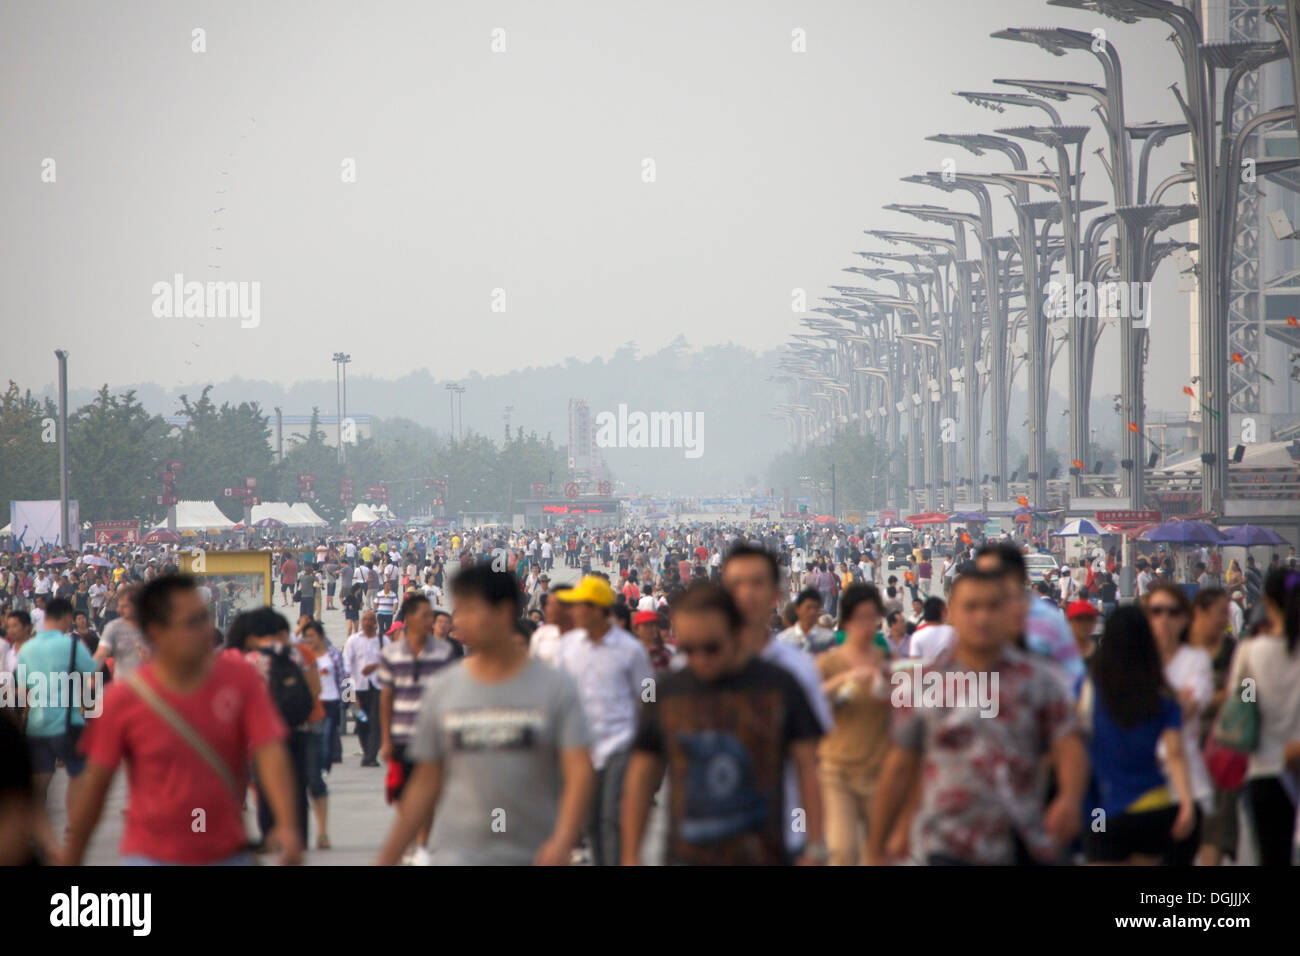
x=308, y=517
x=279, y=510
x=363, y=512
x=201, y=516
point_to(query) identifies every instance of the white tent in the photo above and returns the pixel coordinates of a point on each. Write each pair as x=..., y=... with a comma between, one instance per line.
x=308, y=517
x=201, y=516
x=363, y=512
x=279, y=510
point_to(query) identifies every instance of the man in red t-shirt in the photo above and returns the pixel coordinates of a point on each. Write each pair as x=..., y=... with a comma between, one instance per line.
x=185, y=797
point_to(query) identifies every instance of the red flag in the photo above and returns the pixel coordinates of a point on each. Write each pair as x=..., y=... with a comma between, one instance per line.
x=1292, y=321
x=1238, y=358
x=1077, y=464
x=1132, y=426
x=1187, y=390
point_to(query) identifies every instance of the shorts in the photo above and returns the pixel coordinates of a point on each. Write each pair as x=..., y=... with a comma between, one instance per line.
x=48, y=751
x=1129, y=834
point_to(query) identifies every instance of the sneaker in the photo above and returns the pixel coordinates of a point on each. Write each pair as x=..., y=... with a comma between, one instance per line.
x=408, y=856
x=422, y=857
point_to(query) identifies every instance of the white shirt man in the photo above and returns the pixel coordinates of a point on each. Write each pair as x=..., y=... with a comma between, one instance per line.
x=930, y=639
x=611, y=674
x=1144, y=581
x=359, y=652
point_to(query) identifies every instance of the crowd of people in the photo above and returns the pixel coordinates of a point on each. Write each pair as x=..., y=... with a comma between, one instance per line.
x=693, y=695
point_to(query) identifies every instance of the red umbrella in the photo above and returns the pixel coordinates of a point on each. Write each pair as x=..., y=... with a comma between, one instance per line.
x=927, y=517
x=824, y=519
x=161, y=536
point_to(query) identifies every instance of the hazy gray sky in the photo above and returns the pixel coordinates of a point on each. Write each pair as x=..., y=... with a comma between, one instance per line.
x=478, y=171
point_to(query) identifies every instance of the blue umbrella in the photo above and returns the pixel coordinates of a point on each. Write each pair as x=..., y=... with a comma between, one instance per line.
x=1250, y=536
x=969, y=517
x=1184, y=532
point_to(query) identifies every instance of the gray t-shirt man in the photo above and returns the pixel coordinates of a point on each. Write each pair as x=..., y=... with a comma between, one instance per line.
x=125, y=643
x=499, y=746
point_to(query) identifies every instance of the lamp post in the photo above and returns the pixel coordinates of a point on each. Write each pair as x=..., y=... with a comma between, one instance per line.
x=341, y=361
x=1215, y=232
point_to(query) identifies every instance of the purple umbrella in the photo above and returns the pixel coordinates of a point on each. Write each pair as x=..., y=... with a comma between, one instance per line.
x=969, y=517
x=1184, y=532
x=1250, y=536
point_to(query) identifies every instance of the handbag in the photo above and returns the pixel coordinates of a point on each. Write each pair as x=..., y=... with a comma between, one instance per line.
x=72, y=734
x=1234, y=737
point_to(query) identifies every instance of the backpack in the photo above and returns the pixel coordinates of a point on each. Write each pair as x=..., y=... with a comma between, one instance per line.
x=288, y=687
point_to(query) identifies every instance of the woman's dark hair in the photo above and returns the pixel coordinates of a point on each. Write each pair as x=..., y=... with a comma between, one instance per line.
x=1282, y=589
x=1180, y=598
x=1126, y=668
x=624, y=616
x=317, y=626
x=856, y=594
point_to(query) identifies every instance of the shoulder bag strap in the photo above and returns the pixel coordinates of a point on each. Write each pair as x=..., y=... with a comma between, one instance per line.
x=185, y=731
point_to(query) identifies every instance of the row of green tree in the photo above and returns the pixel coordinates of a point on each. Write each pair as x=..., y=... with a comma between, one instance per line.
x=116, y=450
x=862, y=468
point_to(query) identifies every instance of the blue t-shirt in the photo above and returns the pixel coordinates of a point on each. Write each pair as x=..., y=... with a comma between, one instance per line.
x=45, y=662
x=1124, y=762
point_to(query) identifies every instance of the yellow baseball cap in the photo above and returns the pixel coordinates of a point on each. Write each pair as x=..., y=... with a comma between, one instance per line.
x=590, y=590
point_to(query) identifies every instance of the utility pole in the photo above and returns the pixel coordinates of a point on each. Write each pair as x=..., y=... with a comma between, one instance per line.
x=338, y=403
x=506, y=416
x=64, y=539
x=834, y=511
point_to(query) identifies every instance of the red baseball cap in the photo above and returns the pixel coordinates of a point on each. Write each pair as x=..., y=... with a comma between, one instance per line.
x=1080, y=609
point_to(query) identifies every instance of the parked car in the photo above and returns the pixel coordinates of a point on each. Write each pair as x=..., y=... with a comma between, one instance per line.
x=1040, y=566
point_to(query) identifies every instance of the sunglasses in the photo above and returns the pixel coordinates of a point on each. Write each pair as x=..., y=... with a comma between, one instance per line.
x=705, y=649
x=1165, y=610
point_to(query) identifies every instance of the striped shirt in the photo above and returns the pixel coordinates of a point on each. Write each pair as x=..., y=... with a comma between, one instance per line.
x=385, y=604
x=401, y=672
